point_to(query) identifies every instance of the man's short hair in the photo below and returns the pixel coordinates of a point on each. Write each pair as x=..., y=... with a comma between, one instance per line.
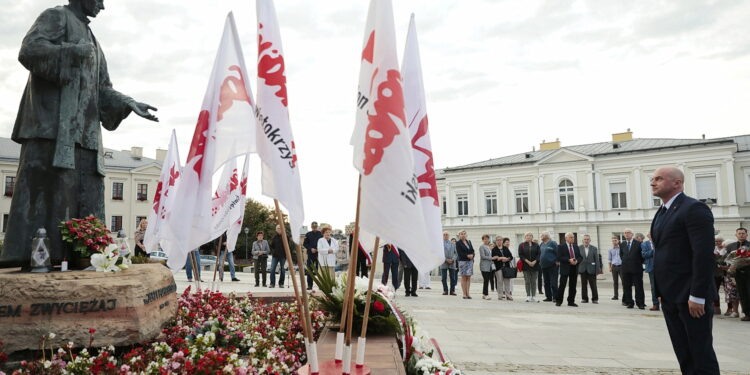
x=586, y=235
x=640, y=235
x=741, y=228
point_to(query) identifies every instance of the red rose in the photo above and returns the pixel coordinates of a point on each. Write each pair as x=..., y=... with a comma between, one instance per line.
x=92, y=331
x=378, y=306
x=89, y=231
x=88, y=242
x=79, y=235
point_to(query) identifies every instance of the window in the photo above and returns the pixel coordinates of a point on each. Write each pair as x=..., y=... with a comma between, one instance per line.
x=10, y=184
x=490, y=203
x=117, y=188
x=619, y=235
x=705, y=188
x=142, y=194
x=445, y=206
x=138, y=220
x=5, y=222
x=619, y=198
x=522, y=201
x=463, y=204
x=566, y=195
x=116, y=224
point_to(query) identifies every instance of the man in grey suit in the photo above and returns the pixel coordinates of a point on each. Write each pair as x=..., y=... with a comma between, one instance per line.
x=588, y=269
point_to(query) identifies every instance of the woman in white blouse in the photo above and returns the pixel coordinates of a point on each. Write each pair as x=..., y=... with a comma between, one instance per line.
x=327, y=248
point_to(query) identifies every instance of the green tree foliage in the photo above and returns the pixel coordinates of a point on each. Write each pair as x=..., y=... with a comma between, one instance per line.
x=259, y=218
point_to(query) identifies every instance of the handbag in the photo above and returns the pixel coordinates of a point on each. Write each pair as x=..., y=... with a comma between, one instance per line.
x=509, y=273
x=519, y=265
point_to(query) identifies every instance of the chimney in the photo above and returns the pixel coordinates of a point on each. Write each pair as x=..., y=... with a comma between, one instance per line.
x=161, y=154
x=136, y=152
x=544, y=146
x=622, y=137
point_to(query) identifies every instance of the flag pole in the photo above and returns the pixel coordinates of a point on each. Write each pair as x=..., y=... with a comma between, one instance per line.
x=280, y=223
x=216, y=265
x=196, y=271
x=361, y=342
x=350, y=287
x=223, y=256
x=310, y=345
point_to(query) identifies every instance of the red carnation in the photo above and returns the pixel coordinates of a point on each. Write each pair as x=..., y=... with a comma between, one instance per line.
x=92, y=331
x=378, y=306
x=88, y=242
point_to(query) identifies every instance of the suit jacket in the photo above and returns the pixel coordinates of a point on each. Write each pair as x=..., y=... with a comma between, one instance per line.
x=389, y=256
x=563, y=255
x=592, y=262
x=632, y=259
x=464, y=250
x=683, y=237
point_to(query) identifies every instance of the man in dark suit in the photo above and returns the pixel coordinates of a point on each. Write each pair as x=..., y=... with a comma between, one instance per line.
x=632, y=271
x=569, y=256
x=683, y=233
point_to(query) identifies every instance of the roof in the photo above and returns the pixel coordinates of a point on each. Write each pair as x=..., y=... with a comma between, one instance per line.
x=123, y=160
x=607, y=148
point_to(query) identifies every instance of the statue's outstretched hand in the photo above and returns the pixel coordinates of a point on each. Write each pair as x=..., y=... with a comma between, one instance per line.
x=142, y=109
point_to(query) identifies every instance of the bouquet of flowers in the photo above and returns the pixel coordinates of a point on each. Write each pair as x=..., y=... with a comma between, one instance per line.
x=739, y=258
x=381, y=319
x=110, y=260
x=87, y=235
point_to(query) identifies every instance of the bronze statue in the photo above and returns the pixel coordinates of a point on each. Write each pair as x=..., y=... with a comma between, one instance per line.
x=67, y=97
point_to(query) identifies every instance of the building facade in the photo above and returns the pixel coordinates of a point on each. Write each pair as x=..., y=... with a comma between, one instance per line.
x=596, y=189
x=129, y=185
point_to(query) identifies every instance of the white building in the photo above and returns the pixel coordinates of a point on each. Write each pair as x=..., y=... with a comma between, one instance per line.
x=129, y=188
x=597, y=189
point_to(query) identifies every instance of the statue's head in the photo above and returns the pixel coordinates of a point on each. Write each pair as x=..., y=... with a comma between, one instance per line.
x=90, y=7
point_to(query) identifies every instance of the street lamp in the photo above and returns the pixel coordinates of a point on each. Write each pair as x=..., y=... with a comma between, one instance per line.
x=246, y=230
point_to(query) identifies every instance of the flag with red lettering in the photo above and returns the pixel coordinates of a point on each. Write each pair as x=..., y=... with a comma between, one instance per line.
x=225, y=130
x=227, y=201
x=171, y=169
x=390, y=205
x=416, y=115
x=276, y=148
x=238, y=212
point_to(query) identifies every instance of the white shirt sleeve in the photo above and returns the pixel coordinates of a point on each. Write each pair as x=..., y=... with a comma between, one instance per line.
x=700, y=301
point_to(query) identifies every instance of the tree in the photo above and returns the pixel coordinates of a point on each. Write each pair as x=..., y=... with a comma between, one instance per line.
x=260, y=218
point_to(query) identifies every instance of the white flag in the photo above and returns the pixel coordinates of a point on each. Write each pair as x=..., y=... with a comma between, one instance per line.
x=276, y=146
x=239, y=212
x=390, y=205
x=416, y=114
x=224, y=131
x=163, y=199
x=225, y=204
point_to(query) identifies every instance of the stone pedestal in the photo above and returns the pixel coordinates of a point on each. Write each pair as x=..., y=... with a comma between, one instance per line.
x=125, y=307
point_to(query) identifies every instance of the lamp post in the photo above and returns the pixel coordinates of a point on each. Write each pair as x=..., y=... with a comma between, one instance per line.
x=246, y=230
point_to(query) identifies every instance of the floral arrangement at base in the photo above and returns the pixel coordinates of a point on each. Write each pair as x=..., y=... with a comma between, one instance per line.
x=211, y=334
x=86, y=235
x=110, y=260
x=381, y=319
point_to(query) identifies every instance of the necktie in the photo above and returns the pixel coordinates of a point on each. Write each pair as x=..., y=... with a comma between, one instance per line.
x=570, y=248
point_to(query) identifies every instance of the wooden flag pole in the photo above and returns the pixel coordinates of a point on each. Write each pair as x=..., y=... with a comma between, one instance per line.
x=196, y=271
x=216, y=265
x=280, y=223
x=340, y=336
x=223, y=256
x=312, y=349
x=362, y=337
x=350, y=288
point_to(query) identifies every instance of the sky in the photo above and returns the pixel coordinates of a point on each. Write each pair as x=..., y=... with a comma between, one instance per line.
x=500, y=76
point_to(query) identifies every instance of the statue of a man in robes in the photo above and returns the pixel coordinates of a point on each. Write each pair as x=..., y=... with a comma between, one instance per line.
x=67, y=97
